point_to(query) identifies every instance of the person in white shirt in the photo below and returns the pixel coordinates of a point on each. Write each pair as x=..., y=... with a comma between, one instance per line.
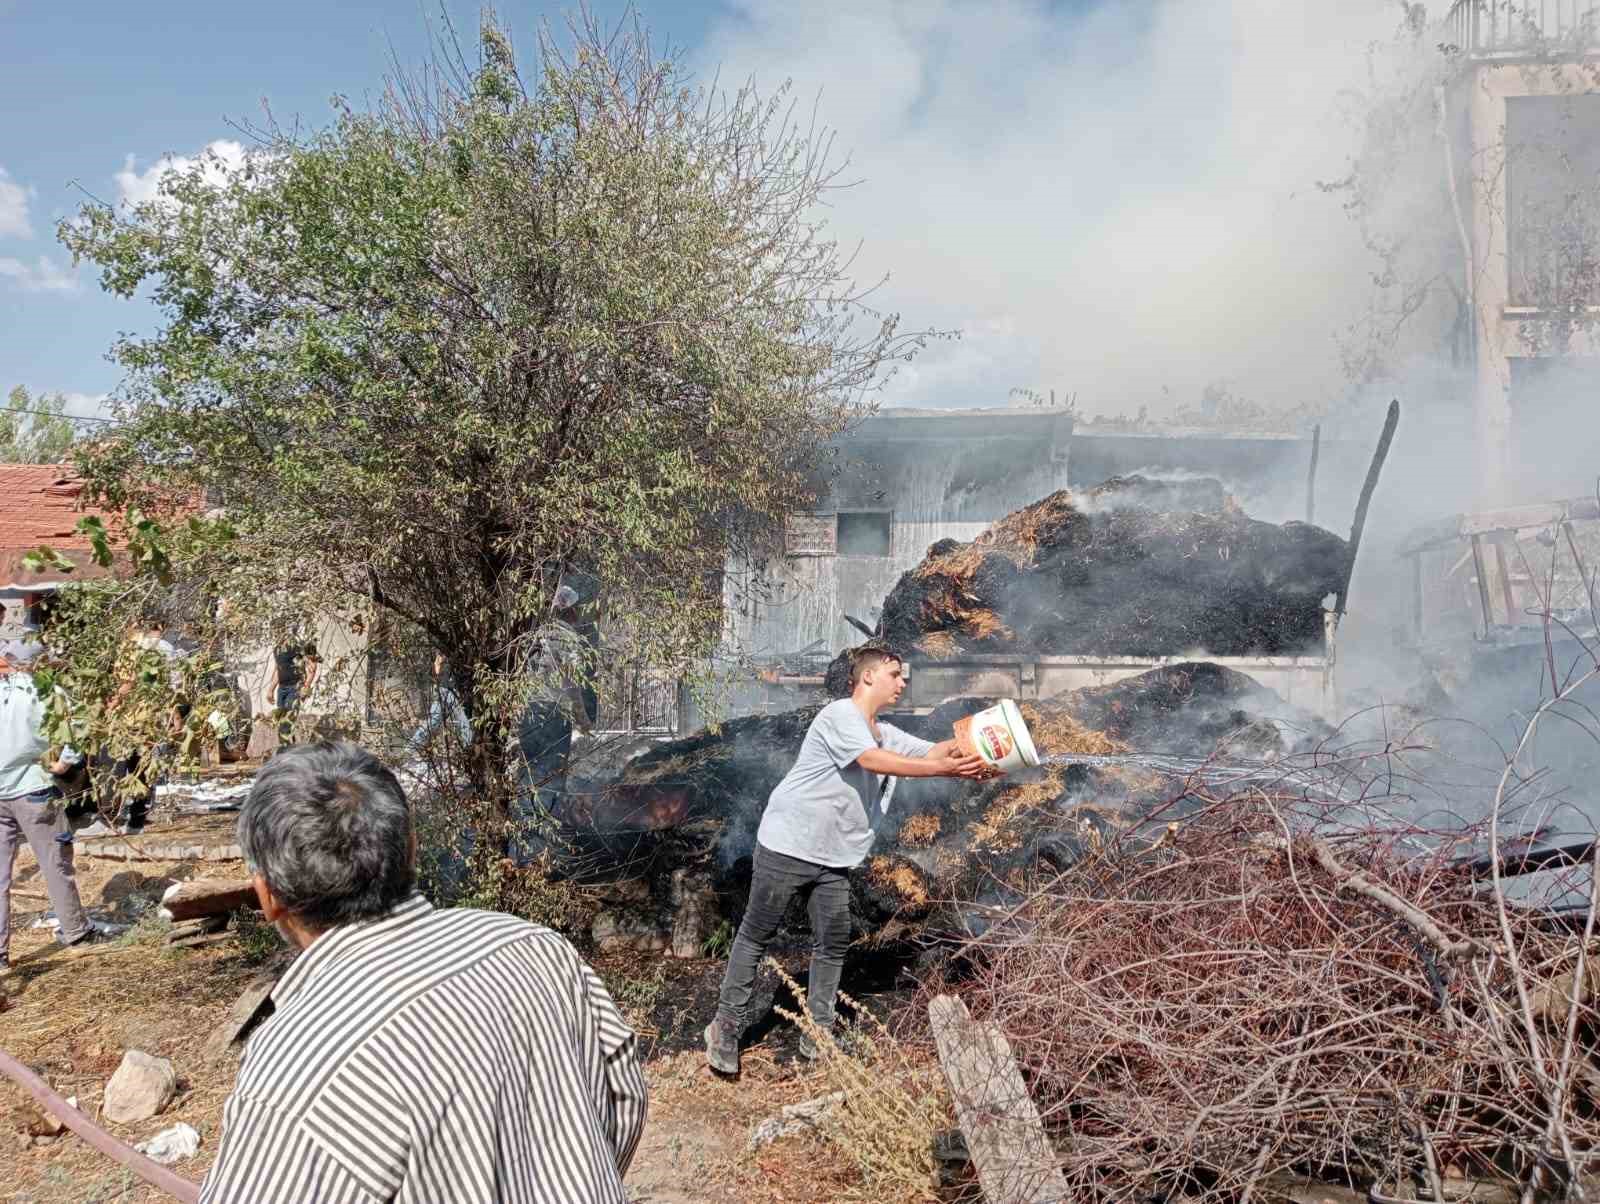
x=816, y=829
x=31, y=804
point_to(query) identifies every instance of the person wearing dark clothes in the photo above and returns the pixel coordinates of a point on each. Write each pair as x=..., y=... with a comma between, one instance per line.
x=294, y=671
x=544, y=734
x=131, y=769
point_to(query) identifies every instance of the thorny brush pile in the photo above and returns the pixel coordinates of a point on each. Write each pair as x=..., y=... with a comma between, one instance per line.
x=1197, y=1015
x=1134, y=567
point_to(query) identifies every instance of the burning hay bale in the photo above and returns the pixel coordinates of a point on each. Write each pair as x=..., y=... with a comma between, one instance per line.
x=944, y=843
x=1136, y=567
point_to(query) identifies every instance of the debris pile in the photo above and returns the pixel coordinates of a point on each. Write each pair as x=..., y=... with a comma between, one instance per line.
x=1232, y=1006
x=946, y=850
x=1133, y=567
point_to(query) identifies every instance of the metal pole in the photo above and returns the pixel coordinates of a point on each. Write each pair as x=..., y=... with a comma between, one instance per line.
x=1380, y=453
x=1416, y=593
x=1311, y=476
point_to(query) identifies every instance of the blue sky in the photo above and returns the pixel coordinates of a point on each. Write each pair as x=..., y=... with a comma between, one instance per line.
x=83, y=87
x=1010, y=151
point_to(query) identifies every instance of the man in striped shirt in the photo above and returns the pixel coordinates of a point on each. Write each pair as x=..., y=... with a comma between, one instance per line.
x=414, y=1055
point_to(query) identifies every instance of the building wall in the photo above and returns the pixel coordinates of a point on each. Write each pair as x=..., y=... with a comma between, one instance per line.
x=1509, y=467
x=338, y=693
x=945, y=475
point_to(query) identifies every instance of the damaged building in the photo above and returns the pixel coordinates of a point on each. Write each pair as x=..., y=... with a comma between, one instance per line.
x=1520, y=119
x=903, y=480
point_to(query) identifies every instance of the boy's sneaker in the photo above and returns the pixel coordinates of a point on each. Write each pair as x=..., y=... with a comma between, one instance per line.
x=98, y=934
x=722, y=1047
x=130, y=827
x=98, y=828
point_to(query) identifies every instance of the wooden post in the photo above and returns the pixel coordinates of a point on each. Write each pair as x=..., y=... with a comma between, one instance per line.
x=1311, y=477
x=1504, y=568
x=1577, y=559
x=1013, y=1157
x=209, y=897
x=1482, y=570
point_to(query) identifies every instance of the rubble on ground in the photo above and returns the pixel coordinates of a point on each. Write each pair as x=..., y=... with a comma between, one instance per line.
x=1133, y=567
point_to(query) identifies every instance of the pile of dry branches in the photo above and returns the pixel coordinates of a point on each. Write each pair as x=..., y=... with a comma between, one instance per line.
x=1237, y=1001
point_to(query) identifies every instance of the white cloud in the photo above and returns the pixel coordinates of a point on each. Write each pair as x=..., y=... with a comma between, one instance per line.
x=1109, y=204
x=14, y=200
x=85, y=405
x=221, y=157
x=41, y=276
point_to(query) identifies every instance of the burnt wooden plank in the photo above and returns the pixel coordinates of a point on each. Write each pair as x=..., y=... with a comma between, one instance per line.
x=209, y=897
x=1014, y=1159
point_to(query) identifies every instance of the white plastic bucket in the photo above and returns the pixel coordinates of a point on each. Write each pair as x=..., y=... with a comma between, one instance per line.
x=999, y=736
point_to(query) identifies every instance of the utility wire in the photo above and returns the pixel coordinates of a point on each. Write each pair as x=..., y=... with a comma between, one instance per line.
x=52, y=414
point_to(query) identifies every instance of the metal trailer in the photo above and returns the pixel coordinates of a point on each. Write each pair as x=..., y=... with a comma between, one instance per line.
x=1307, y=682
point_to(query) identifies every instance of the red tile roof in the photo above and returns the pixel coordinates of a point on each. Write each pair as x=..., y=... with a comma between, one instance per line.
x=39, y=504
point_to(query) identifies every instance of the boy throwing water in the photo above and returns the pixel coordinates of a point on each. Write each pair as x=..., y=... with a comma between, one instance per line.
x=816, y=829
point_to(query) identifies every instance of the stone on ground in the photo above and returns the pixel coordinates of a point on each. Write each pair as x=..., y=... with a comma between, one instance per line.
x=140, y=1088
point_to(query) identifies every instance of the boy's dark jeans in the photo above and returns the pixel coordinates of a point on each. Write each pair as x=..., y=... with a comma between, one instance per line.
x=776, y=880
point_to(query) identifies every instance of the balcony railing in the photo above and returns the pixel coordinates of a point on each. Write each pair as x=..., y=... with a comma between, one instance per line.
x=1491, y=27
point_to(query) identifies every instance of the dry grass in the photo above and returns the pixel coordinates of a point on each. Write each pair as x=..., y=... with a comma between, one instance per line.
x=71, y=1014
x=895, y=1101
x=1055, y=732
x=676, y=768
x=900, y=878
x=959, y=565
x=986, y=625
x=938, y=645
x=920, y=831
x=994, y=832
x=1017, y=534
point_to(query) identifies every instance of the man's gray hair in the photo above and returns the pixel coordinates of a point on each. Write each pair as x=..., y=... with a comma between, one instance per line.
x=328, y=826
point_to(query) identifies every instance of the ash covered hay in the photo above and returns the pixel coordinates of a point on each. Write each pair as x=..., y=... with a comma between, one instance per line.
x=1135, y=567
x=964, y=840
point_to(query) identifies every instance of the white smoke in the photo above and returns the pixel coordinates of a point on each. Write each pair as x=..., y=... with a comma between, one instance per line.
x=1119, y=204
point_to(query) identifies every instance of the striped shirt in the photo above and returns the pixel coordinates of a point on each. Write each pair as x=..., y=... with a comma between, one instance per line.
x=434, y=1056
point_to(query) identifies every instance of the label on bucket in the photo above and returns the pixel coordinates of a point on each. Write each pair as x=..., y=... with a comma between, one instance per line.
x=994, y=742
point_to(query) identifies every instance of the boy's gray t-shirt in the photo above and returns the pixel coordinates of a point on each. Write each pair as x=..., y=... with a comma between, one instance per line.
x=819, y=812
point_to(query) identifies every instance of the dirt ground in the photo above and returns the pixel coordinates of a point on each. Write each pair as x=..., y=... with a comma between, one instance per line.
x=70, y=1015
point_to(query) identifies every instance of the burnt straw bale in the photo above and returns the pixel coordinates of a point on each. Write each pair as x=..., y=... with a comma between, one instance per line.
x=1135, y=567
x=944, y=845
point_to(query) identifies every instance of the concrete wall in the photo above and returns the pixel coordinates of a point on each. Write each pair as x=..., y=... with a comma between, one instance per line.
x=1510, y=469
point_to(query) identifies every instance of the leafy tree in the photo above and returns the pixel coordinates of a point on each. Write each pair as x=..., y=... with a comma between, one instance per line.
x=33, y=429
x=518, y=320
x=109, y=692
